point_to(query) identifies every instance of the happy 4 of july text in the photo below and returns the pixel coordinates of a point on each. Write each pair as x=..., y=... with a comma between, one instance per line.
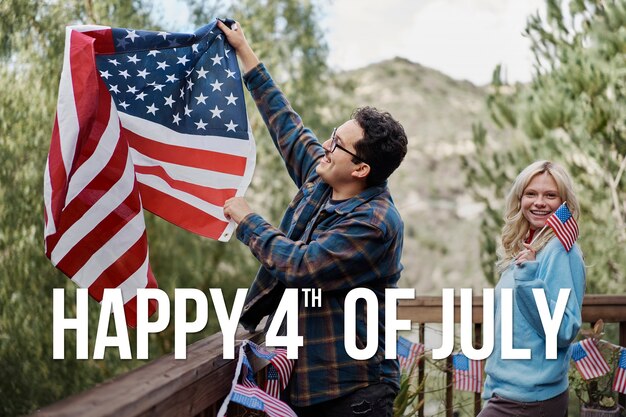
x=112, y=307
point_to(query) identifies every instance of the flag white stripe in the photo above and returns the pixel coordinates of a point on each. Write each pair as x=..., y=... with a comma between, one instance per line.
x=111, y=251
x=197, y=176
x=88, y=28
x=96, y=213
x=50, y=226
x=160, y=185
x=67, y=115
x=162, y=134
x=100, y=158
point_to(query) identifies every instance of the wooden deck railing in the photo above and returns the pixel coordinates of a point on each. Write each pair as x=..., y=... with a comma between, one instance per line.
x=196, y=386
x=423, y=310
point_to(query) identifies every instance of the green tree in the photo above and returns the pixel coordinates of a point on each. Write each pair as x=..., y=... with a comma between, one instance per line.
x=573, y=112
x=31, y=51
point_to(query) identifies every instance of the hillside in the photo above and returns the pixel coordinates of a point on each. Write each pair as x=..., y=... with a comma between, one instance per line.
x=441, y=219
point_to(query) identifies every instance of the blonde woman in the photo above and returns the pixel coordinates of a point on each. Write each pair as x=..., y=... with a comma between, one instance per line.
x=530, y=258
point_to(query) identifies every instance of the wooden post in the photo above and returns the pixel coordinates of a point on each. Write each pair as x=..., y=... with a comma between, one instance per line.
x=420, y=372
x=478, y=342
x=449, y=388
x=622, y=342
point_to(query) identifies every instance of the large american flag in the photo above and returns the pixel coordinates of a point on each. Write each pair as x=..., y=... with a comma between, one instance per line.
x=588, y=359
x=468, y=373
x=619, y=383
x=151, y=120
x=408, y=353
x=564, y=226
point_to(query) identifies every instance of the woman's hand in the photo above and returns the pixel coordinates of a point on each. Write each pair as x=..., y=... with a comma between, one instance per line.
x=528, y=254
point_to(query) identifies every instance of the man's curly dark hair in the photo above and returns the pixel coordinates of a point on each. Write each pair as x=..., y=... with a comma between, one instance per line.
x=383, y=146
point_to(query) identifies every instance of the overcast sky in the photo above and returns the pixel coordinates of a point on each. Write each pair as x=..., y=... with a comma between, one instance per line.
x=465, y=39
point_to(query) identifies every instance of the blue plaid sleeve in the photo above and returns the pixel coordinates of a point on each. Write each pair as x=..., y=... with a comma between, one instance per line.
x=354, y=253
x=298, y=146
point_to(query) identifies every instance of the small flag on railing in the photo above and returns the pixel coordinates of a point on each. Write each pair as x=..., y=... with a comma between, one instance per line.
x=247, y=392
x=619, y=383
x=247, y=374
x=408, y=353
x=588, y=359
x=254, y=398
x=564, y=226
x=278, y=370
x=468, y=373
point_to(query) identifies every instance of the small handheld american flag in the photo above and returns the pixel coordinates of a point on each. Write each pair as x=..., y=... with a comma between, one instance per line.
x=564, y=226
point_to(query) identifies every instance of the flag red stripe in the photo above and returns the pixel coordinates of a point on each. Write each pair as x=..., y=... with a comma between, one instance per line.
x=181, y=213
x=58, y=176
x=196, y=158
x=211, y=195
x=85, y=85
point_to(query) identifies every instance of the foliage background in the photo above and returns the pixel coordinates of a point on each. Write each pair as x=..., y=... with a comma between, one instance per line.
x=466, y=144
x=31, y=50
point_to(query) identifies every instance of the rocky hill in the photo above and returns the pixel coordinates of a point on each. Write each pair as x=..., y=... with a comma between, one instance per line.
x=441, y=219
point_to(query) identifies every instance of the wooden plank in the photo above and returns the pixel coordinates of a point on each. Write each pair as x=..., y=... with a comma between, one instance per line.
x=610, y=308
x=148, y=387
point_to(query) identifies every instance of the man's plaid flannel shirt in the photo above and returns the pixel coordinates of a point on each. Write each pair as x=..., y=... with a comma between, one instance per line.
x=356, y=243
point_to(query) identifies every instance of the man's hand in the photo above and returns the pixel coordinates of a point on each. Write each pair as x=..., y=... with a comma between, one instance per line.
x=237, y=40
x=236, y=208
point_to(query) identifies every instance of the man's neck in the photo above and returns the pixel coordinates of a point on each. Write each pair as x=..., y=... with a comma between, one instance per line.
x=346, y=192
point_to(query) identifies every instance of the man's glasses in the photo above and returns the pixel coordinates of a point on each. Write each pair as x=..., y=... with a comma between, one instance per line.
x=334, y=145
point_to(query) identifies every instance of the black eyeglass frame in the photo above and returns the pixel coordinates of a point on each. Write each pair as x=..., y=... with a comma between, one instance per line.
x=334, y=145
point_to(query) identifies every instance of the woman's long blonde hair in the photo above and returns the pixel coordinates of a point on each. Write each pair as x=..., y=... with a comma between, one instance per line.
x=516, y=227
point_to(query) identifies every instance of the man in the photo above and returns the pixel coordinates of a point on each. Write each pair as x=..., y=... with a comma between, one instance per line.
x=341, y=231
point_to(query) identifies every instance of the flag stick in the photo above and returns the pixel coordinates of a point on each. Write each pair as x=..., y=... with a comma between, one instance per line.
x=537, y=234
